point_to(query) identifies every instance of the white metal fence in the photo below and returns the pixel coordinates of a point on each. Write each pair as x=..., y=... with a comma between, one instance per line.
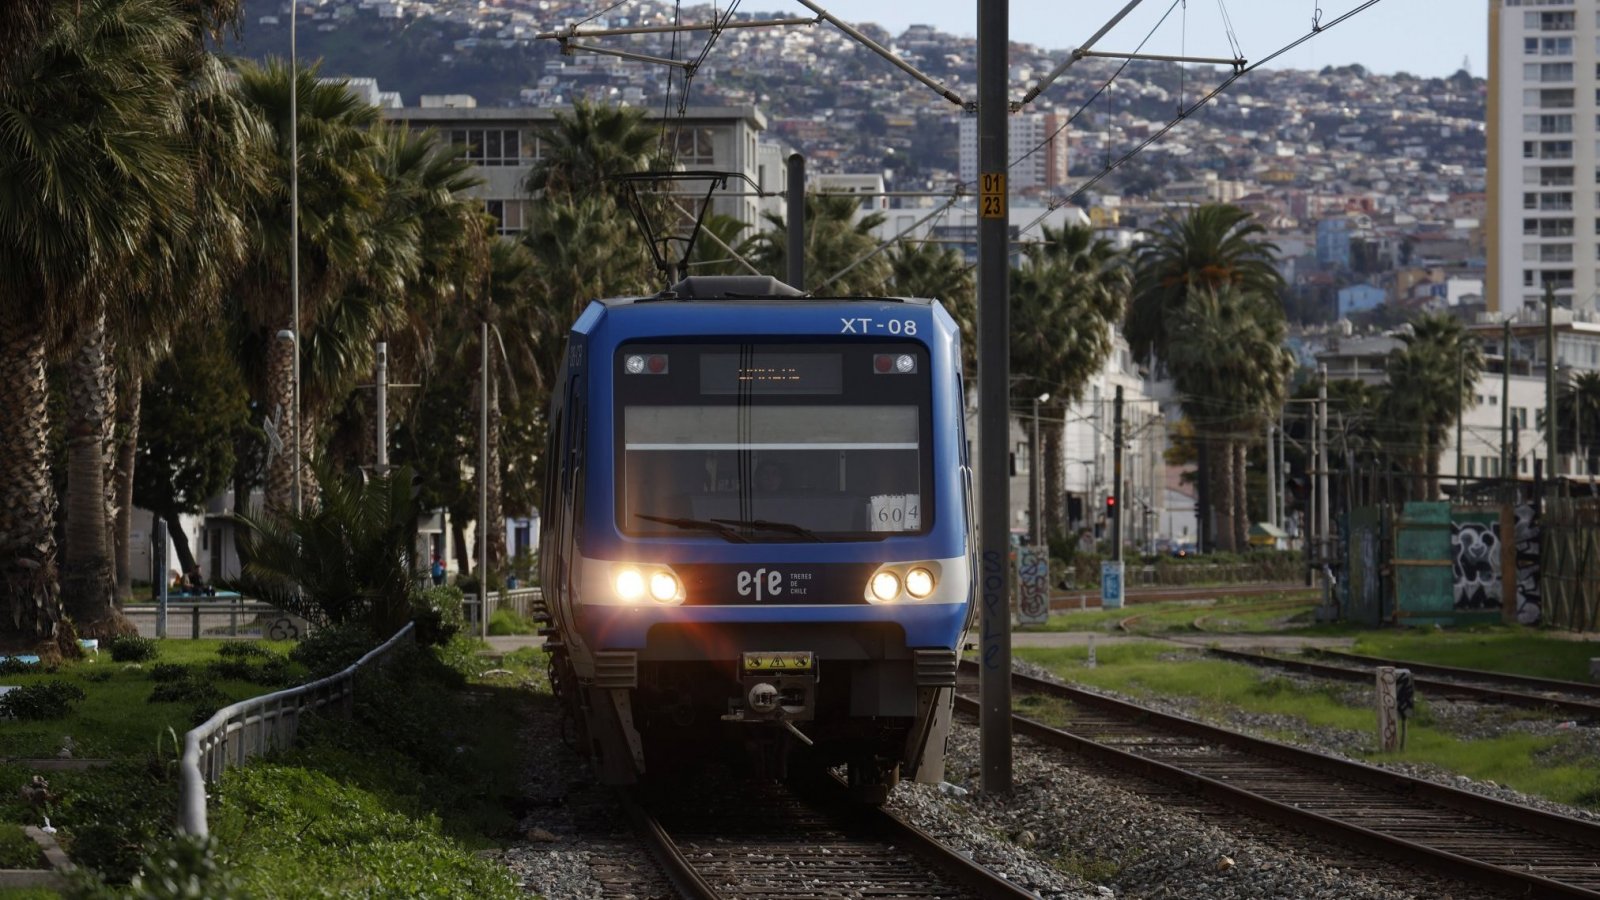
x=252, y=727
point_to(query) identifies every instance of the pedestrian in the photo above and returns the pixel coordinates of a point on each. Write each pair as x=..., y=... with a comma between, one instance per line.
x=437, y=571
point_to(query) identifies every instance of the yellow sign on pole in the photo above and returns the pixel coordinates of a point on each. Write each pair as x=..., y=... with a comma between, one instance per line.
x=992, y=195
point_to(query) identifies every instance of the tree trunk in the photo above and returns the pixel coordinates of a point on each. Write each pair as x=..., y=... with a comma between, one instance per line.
x=128, y=403
x=30, y=605
x=310, y=489
x=1221, y=465
x=86, y=569
x=180, y=542
x=1055, y=526
x=279, y=497
x=464, y=557
x=1241, y=497
x=497, y=518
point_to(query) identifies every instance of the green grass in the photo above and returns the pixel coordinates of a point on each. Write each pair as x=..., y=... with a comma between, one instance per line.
x=1226, y=613
x=1551, y=767
x=1496, y=648
x=391, y=802
x=115, y=720
x=17, y=850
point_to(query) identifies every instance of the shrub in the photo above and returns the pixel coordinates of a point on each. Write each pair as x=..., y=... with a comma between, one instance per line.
x=169, y=672
x=188, y=691
x=244, y=650
x=17, y=850
x=231, y=669
x=505, y=621
x=114, y=813
x=45, y=700
x=437, y=612
x=133, y=648
x=14, y=666
x=329, y=650
x=97, y=675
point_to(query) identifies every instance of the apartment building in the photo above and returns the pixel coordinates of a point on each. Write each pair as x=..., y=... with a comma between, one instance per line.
x=1543, y=130
x=1038, y=151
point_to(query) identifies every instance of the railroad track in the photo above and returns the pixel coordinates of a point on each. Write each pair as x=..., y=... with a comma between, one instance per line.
x=1495, y=687
x=1520, y=681
x=1489, y=843
x=760, y=840
x=1130, y=624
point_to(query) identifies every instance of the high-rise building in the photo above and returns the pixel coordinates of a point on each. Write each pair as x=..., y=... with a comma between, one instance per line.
x=1038, y=151
x=1543, y=131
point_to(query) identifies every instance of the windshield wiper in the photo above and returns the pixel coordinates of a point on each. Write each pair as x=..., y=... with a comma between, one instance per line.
x=786, y=527
x=698, y=524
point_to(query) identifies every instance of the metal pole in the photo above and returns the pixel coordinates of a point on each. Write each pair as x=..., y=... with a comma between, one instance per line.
x=1505, y=404
x=1116, y=476
x=294, y=241
x=161, y=577
x=383, y=407
x=1283, y=473
x=1550, y=380
x=994, y=334
x=796, y=221
x=1460, y=403
x=1272, y=475
x=1033, y=480
x=483, y=484
x=1323, y=519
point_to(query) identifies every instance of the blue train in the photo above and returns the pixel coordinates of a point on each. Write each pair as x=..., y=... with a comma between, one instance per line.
x=757, y=531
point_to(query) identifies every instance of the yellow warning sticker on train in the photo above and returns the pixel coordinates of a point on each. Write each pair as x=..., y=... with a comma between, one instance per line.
x=784, y=661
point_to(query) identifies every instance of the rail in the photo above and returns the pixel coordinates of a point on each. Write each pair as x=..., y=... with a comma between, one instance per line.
x=252, y=727
x=205, y=617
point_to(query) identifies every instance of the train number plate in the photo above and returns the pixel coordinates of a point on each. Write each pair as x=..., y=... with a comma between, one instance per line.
x=789, y=661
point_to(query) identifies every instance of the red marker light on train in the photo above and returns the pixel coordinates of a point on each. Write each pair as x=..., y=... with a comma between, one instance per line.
x=894, y=363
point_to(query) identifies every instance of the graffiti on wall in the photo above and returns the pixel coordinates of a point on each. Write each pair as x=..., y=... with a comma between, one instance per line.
x=1475, y=554
x=1529, y=603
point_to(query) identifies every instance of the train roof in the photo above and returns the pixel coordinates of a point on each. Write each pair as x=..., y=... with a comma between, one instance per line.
x=739, y=287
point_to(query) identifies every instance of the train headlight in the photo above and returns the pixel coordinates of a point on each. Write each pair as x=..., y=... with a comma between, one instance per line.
x=663, y=586
x=919, y=583
x=885, y=587
x=630, y=585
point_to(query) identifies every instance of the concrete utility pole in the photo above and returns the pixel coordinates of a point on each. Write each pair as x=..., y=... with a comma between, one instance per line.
x=483, y=483
x=1035, y=508
x=294, y=245
x=796, y=221
x=1283, y=473
x=994, y=365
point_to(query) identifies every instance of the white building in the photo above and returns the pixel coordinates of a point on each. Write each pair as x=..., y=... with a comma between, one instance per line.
x=1038, y=149
x=1544, y=220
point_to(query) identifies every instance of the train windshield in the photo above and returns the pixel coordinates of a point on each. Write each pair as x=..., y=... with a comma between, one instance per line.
x=774, y=442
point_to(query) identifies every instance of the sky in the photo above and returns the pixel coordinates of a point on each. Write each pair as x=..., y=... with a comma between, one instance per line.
x=1423, y=37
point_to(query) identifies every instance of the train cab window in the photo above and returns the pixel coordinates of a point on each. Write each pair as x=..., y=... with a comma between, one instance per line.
x=774, y=442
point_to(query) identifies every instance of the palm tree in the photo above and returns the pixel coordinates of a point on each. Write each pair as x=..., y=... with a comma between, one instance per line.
x=1231, y=369
x=1214, y=246
x=1425, y=391
x=341, y=198
x=1069, y=290
x=580, y=153
x=1578, y=417
x=842, y=257
x=92, y=157
x=931, y=270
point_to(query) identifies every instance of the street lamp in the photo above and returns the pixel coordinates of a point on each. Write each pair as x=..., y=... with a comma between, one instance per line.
x=1034, y=504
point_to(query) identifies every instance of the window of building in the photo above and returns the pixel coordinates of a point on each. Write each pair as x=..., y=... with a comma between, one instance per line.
x=1557, y=98
x=1559, y=279
x=1547, y=46
x=1555, y=149
x=1551, y=123
x=489, y=146
x=509, y=215
x=1555, y=253
x=1472, y=468
x=1547, y=72
x=1549, y=21
x=695, y=147
x=1547, y=227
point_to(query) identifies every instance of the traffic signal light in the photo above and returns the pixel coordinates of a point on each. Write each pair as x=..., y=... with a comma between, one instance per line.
x=1111, y=503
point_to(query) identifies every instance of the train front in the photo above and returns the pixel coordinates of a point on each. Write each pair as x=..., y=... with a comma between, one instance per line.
x=775, y=553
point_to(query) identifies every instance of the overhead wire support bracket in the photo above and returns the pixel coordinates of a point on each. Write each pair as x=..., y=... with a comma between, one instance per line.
x=660, y=245
x=1239, y=64
x=567, y=46
x=1079, y=53
x=884, y=52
